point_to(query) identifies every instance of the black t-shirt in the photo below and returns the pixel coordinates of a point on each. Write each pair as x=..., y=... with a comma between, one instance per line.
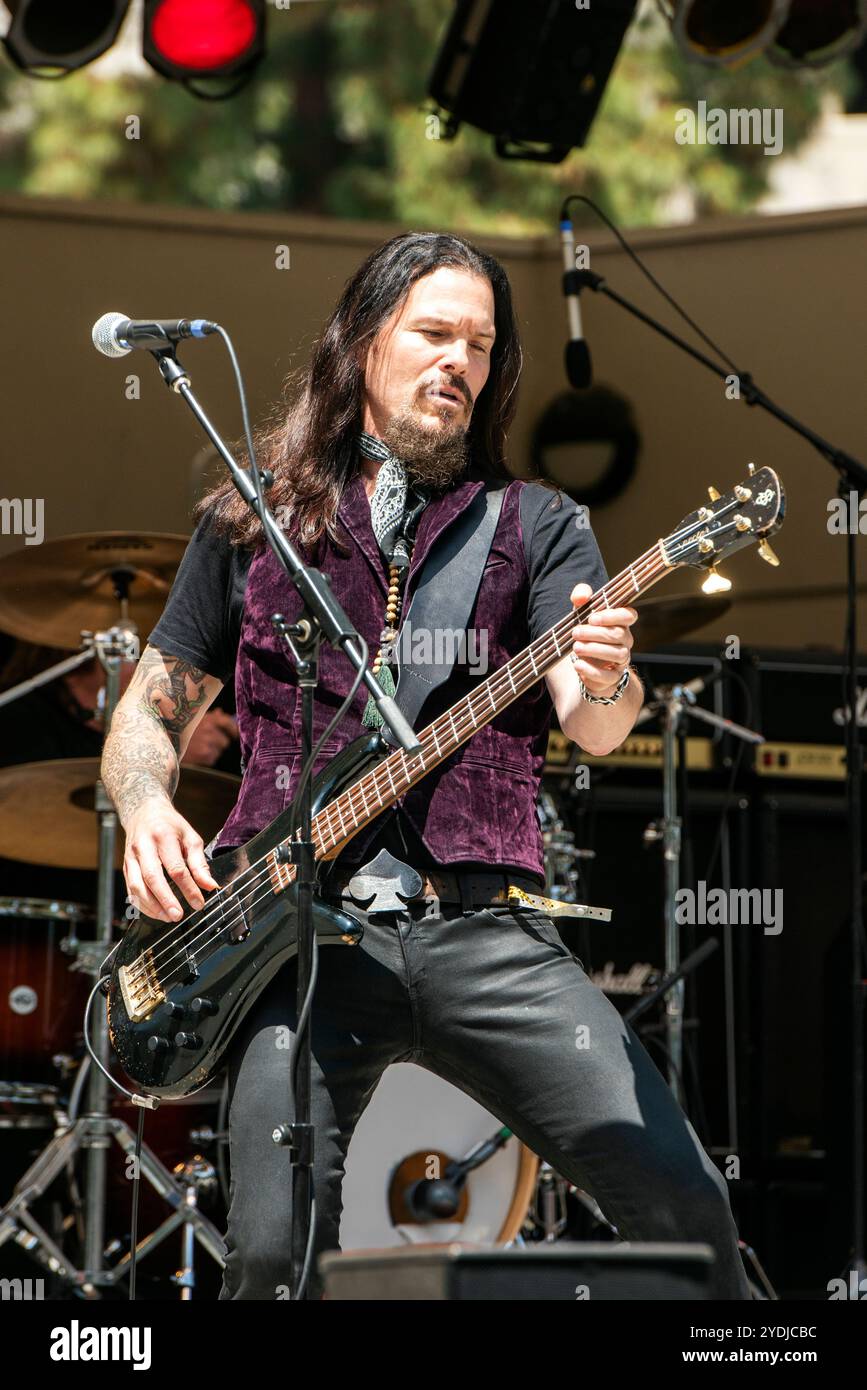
x=202, y=618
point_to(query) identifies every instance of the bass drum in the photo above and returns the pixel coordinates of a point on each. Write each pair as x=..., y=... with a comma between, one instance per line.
x=413, y=1127
x=41, y=1000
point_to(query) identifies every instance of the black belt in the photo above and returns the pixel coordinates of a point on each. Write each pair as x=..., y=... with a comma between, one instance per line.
x=386, y=884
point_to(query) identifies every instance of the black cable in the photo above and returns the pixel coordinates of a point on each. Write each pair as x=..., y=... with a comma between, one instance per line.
x=338, y=717
x=252, y=469
x=130, y=1095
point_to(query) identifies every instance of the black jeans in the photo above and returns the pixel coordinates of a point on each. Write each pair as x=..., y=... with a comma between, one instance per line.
x=493, y=1002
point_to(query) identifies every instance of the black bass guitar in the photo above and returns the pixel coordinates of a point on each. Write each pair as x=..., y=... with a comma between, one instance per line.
x=178, y=991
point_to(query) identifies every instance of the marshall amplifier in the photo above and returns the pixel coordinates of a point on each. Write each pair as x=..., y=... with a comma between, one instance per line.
x=801, y=708
x=795, y=698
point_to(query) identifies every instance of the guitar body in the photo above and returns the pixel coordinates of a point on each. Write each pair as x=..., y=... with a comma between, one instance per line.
x=211, y=972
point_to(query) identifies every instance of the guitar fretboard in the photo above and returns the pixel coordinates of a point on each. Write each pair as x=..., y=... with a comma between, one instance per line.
x=378, y=789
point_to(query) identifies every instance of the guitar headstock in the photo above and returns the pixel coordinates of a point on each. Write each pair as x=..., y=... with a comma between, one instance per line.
x=751, y=511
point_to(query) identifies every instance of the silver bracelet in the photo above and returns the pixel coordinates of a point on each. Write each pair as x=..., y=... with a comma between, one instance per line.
x=606, y=699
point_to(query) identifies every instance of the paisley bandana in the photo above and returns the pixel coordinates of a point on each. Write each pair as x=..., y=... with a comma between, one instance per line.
x=396, y=505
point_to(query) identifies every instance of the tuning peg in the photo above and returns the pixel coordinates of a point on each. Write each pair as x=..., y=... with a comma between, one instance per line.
x=752, y=468
x=716, y=583
x=767, y=554
x=713, y=494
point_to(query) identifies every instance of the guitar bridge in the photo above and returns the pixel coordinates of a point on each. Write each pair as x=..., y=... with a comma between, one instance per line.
x=140, y=988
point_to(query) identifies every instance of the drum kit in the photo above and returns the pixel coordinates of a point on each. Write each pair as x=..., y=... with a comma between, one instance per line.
x=426, y=1162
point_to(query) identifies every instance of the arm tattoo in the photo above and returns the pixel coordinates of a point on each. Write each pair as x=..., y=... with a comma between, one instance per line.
x=164, y=697
x=141, y=756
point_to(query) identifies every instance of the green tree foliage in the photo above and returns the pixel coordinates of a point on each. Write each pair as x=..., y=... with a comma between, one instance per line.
x=336, y=122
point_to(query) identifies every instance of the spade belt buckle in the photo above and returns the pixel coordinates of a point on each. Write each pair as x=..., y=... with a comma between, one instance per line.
x=385, y=884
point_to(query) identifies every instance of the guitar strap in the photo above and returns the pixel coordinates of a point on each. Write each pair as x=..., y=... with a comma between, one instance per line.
x=444, y=597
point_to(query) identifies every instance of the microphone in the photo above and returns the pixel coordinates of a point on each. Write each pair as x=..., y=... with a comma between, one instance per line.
x=114, y=335
x=579, y=368
x=433, y=1199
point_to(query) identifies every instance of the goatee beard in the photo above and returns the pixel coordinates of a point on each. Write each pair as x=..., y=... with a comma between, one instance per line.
x=436, y=458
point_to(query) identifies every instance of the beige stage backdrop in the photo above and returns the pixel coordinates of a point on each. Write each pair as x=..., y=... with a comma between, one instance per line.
x=784, y=296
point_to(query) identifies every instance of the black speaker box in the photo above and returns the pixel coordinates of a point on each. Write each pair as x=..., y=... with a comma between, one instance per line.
x=564, y=1271
x=627, y=875
x=802, y=696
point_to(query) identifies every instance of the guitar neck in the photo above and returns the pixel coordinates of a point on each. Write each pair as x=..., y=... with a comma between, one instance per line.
x=373, y=793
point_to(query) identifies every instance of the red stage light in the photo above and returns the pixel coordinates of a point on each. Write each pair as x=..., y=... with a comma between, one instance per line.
x=203, y=36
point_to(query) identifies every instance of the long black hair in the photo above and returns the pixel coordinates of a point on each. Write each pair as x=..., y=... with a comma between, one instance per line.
x=310, y=443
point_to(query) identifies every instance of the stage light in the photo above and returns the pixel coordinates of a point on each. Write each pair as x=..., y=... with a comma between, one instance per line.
x=726, y=32
x=50, y=38
x=531, y=74
x=818, y=31
x=190, y=39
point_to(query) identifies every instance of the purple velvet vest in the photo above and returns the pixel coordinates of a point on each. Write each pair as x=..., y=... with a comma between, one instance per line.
x=480, y=804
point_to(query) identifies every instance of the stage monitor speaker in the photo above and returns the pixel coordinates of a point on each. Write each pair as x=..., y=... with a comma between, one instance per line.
x=569, y=1271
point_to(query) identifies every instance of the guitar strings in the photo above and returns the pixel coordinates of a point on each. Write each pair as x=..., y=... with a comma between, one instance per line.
x=524, y=663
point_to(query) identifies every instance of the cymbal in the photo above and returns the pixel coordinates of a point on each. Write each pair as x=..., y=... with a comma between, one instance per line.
x=51, y=593
x=47, y=813
x=664, y=620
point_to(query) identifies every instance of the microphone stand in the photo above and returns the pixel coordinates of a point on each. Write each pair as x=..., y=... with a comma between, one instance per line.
x=323, y=616
x=852, y=478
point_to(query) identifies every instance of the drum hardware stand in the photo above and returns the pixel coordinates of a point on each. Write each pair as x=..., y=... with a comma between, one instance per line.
x=548, y=1212
x=675, y=703
x=51, y=673
x=562, y=878
x=665, y=986
x=94, y=1131
x=182, y=1189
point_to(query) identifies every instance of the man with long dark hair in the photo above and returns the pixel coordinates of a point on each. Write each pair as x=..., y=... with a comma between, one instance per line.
x=401, y=421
